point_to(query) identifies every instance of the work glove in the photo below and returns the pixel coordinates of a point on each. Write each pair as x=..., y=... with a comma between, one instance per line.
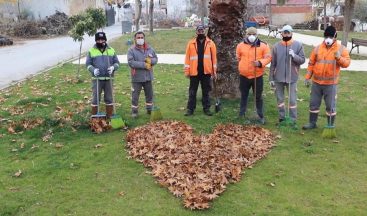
x=307, y=82
x=257, y=63
x=291, y=53
x=110, y=69
x=272, y=84
x=337, y=55
x=96, y=72
x=148, y=60
x=148, y=66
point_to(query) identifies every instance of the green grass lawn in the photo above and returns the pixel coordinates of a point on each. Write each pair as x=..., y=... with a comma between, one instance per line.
x=63, y=173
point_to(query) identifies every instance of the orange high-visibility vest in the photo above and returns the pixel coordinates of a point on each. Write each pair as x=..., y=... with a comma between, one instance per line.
x=246, y=56
x=209, y=60
x=323, y=67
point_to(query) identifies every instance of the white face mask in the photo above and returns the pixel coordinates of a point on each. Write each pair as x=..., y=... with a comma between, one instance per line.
x=329, y=41
x=140, y=41
x=251, y=38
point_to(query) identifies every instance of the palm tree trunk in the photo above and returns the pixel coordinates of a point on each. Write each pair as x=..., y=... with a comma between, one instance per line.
x=226, y=29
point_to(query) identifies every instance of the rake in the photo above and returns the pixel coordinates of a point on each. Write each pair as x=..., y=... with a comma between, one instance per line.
x=217, y=100
x=98, y=115
x=254, y=118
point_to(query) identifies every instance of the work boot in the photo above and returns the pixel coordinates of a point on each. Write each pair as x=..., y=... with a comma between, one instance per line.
x=109, y=111
x=279, y=122
x=94, y=110
x=149, y=112
x=134, y=113
x=330, y=120
x=207, y=112
x=261, y=121
x=312, y=122
x=189, y=112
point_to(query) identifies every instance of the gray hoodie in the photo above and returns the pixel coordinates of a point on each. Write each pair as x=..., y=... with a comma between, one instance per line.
x=136, y=60
x=280, y=62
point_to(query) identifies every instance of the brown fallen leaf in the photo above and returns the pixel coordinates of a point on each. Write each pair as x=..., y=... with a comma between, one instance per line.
x=34, y=146
x=22, y=146
x=11, y=130
x=98, y=146
x=18, y=174
x=121, y=193
x=58, y=145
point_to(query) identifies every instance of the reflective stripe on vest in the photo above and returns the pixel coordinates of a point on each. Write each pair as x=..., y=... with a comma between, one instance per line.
x=194, y=58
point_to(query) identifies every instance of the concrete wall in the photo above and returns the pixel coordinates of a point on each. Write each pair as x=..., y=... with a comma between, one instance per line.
x=39, y=9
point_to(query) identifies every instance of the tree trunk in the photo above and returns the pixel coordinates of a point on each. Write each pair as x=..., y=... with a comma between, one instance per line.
x=349, y=8
x=226, y=29
x=147, y=11
x=270, y=14
x=324, y=20
x=138, y=7
x=151, y=10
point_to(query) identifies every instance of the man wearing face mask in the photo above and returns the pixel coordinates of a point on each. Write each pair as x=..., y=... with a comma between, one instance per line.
x=252, y=55
x=102, y=62
x=141, y=58
x=324, y=68
x=287, y=57
x=200, y=66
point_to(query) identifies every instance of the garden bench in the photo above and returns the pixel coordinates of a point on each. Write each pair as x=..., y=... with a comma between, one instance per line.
x=273, y=29
x=356, y=43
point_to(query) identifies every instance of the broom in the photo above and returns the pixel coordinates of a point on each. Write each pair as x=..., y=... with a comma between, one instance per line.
x=116, y=120
x=156, y=114
x=288, y=123
x=329, y=130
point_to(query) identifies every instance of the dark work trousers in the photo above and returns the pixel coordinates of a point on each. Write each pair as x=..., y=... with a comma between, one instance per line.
x=328, y=92
x=245, y=86
x=105, y=87
x=135, y=93
x=204, y=81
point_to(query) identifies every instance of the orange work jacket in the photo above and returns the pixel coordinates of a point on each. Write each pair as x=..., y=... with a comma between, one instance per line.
x=323, y=67
x=210, y=58
x=247, y=53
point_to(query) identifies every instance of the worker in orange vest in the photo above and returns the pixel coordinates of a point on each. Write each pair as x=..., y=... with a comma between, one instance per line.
x=200, y=66
x=252, y=55
x=324, y=69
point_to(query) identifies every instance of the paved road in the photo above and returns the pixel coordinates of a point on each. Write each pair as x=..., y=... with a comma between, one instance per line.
x=20, y=61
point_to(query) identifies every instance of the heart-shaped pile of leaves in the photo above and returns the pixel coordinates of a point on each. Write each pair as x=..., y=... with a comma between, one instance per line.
x=197, y=167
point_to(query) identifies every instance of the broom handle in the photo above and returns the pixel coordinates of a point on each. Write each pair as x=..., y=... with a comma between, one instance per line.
x=111, y=86
x=289, y=84
x=97, y=81
x=333, y=93
x=255, y=84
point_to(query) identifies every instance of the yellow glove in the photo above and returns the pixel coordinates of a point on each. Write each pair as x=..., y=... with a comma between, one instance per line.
x=148, y=66
x=148, y=60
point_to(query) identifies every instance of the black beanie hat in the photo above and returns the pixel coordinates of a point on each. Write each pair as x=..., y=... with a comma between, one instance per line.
x=330, y=31
x=100, y=35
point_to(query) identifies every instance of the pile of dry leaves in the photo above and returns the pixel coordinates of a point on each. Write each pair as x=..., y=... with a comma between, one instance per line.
x=99, y=125
x=197, y=167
